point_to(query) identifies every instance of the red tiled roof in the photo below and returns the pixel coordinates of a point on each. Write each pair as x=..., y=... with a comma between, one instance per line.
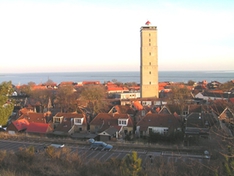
x=116, y=88
x=25, y=110
x=34, y=117
x=147, y=23
x=20, y=124
x=135, y=87
x=69, y=115
x=38, y=128
x=90, y=82
x=35, y=87
x=66, y=83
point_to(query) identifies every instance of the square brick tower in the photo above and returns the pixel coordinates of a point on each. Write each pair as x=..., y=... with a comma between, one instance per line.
x=149, y=61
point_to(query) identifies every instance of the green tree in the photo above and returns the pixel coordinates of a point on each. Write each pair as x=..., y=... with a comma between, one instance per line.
x=6, y=104
x=131, y=165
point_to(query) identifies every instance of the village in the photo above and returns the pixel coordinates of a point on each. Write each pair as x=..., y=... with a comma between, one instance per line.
x=176, y=116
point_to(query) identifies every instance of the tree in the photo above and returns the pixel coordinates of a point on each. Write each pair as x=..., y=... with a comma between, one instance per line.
x=227, y=86
x=191, y=82
x=42, y=96
x=66, y=98
x=25, y=90
x=131, y=165
x=179, y=97
x=6, y=104
x=93, y=97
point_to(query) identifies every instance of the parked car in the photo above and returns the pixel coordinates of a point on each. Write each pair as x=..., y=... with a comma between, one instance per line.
x=99, y=145
x=55, y=145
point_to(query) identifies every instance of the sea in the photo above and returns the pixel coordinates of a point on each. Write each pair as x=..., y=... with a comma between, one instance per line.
x=131, y=76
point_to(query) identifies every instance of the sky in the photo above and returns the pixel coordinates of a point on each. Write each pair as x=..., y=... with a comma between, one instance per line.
x=104, y=35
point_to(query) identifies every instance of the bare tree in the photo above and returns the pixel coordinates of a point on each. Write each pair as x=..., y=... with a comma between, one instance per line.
x=66, y=98
x=179, y=97
x=94, y=98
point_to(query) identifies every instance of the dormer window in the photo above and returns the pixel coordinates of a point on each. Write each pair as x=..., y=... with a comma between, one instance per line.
x=122, y=122
x=57, y=119
x=78, y=121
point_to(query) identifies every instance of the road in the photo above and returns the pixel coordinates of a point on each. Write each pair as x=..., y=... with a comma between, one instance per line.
x=117, y=152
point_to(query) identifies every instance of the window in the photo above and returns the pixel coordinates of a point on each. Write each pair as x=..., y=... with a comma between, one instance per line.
x=150, y=72
x=78, y=121
x=149, y=82
x=150, y=63
x=122, y=122
x=150, y=53
x=56, y=120
x=149, y=40
x=149, y=34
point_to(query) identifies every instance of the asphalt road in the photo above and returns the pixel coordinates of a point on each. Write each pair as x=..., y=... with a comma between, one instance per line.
x=117, y=152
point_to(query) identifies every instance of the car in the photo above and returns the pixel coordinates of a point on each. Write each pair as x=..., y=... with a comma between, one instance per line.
x=55, y=145
x=99, y=145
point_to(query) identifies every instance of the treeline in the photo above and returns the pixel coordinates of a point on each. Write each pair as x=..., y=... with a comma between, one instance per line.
x=60, y=162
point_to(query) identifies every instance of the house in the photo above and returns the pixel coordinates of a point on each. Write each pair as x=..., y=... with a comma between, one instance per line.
x=226, y=120
x=199, y=124
x=28, y=117
x=214, y=95
x=70, y=123
x=16, y=126
x=122, y=124
x=158, y=123
x=227, y=115
x=65, y=127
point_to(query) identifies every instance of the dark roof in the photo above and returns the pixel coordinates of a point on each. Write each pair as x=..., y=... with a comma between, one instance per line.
x=159, y=120
x=105, y=120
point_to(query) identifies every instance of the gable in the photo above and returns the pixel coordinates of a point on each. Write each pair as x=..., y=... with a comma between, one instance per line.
x=164, y=110
x=226, y=114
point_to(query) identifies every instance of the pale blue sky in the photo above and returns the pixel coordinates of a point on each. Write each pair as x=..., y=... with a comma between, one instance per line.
x=104, y=35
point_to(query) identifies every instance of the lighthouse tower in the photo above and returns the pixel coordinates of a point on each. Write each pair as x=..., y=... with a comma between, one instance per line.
x=149, y=61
